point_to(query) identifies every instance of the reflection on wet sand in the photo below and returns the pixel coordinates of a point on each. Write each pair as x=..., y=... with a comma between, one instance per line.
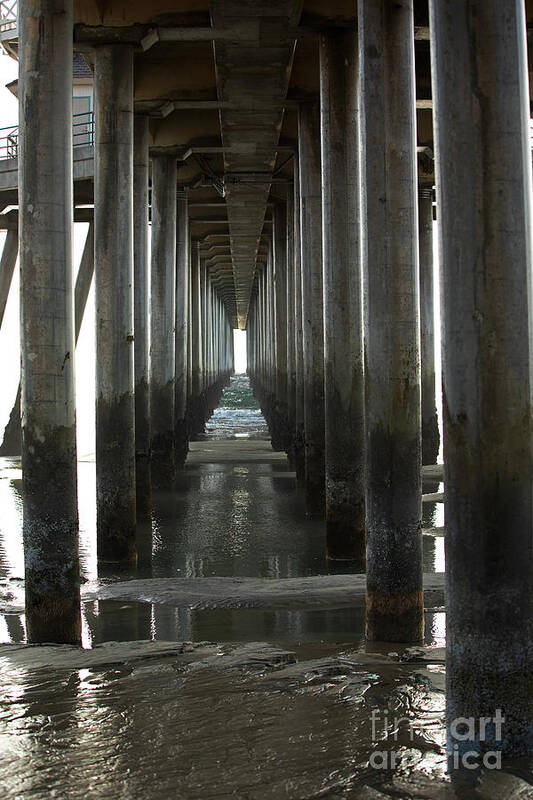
x=313, y=715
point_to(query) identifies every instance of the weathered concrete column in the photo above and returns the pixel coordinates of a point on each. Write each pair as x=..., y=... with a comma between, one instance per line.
x=208, y=335
x=196, y=340
x=271, y=340
x=312, y=305
x=260, y=325
x=7, y=267
x=280, y=421
x=192, y=257
x=299, y=435
x=141, y=297
x=230, y=366
x=290, y=330
x=343, y=298
x=262, y=289
x=113, y=255
x=163, y=319
x=395, y=608
x=203, y=331
x=47, y=323
x=182, y=324
x=480, y=92
x=430, y=424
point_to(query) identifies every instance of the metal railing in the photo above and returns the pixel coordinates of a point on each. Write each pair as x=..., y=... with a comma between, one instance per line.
x=8, y=15
x=82, y=134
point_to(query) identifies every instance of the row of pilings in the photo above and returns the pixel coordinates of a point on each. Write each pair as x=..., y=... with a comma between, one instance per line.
x=341, y=343
x=164, y=338
x=347, y=404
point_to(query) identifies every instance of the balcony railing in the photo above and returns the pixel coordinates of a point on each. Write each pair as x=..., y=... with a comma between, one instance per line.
x=8, y=15
x=82, y=134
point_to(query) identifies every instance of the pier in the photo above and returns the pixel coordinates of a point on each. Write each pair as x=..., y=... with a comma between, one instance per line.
x=279, y=169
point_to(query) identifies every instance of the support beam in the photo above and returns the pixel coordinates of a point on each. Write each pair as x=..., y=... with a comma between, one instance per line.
x=7, y=267
x=290, y=329
x=163, y=320
x=395, y=608
x=113, y=240
x=480, y=92
x=84, y=279
x=430, y=424
x=343, y=299
x=52, y=572
x=312, y=306
x=141, y=303
x=195, y=398
x=182, y=326
x=280, y=433
x=299, y=434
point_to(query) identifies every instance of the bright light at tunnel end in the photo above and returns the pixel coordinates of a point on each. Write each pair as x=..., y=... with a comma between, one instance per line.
x=239, y=346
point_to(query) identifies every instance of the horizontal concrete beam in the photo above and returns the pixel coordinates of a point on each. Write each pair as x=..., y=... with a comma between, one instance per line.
x=146, y=35
x=239, y=32
x=215, y=105
x=215, y=150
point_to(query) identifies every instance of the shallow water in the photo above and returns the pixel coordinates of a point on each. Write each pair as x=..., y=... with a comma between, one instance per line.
x=142, y=716
x=229, y=519
x=213, y=722
x=149, y=720
x=238, y=415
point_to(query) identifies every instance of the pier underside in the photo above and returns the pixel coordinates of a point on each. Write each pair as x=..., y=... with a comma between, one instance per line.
x=227, y=593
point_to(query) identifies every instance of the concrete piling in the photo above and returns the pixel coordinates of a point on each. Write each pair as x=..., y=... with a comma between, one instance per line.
x=290, y=331
x=480, y=92
x=343, y=299
x=395, y=609
x=196, y=396
x=181, y=442
x=280, y=423
x=113, y=240
x=299, y=434
x=202, y=403
x=141, y=299
x=50, y=521
x=312, y=305
x=430, y=424
x=163, y=319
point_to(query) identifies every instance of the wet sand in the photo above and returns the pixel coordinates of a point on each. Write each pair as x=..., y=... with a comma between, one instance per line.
x=155, y=707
